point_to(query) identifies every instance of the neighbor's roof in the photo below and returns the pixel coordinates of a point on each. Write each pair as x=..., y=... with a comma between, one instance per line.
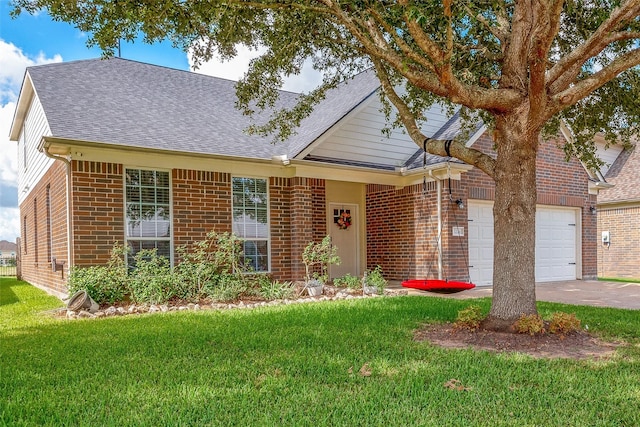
x=624, y=174
x=7, y=246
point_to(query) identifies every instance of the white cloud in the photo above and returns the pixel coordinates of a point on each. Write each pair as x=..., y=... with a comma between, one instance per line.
x=14, y=64
x=236, y=67
x=9, y=224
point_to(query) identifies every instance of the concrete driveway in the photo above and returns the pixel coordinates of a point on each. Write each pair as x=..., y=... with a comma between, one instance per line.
x=578, y=292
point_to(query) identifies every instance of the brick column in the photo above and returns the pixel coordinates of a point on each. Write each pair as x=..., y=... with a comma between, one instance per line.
x=301, y=223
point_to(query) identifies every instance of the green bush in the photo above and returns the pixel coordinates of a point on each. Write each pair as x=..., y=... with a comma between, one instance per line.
x=348, y=281
x=151, y=281
x=104, y=284
x=199, y=270
x=469, y=318
x=531, y=324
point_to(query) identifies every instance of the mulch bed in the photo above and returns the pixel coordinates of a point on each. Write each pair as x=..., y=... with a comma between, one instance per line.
x=577, y=345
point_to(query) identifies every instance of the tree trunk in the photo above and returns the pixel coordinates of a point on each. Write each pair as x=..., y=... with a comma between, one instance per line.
x=514, y=215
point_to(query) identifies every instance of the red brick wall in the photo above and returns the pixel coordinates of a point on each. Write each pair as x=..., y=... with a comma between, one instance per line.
x=51, y=239
x=98, y=211
x=201, y=203
x=402, y=232
x=622, y=257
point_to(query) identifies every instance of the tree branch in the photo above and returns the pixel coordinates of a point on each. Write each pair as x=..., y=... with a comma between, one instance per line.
x=568, y=67
x=584, y=87
x=458, y=149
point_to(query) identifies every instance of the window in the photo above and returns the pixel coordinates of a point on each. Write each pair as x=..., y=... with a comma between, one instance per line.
x=250, y=220
x=35, y=229
x=49, y=228
x=24, y=233
x=148, y=213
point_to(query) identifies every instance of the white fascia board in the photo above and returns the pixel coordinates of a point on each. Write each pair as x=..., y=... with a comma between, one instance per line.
x=22, y=107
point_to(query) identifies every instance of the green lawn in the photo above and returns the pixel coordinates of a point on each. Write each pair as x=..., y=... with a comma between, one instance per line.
x=296, y=365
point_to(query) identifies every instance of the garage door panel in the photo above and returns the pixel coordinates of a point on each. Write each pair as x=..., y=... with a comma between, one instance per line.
x=555, y=243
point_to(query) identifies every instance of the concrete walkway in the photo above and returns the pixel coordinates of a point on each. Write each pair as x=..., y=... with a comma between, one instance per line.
x=578, y=292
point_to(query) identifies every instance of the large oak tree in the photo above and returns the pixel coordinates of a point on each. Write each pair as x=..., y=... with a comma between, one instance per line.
x=522, y=66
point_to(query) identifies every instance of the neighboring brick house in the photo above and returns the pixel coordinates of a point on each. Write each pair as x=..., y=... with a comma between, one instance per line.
x=120, y=151
x=619, y=216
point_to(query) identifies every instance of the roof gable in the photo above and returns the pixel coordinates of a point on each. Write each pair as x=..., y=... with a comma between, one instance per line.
x=624, y=174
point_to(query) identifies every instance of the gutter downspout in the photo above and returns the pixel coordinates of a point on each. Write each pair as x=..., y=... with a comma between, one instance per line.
x=439, y=240
x=67, y=161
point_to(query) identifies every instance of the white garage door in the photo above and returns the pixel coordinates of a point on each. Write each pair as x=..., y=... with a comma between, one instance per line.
x=556, y=231
x=555, y=244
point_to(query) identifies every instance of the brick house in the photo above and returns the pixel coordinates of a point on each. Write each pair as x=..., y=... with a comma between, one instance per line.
x=120, y=151
x=619, y=214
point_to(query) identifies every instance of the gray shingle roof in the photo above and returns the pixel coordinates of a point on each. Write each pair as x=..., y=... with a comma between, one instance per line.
x=624, y=174
x=123, y=102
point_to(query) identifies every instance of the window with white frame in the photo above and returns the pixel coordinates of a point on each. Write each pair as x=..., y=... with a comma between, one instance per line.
x=148, y=212
x=251, y=220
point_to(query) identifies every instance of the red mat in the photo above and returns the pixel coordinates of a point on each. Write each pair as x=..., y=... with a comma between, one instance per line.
x=439, y=286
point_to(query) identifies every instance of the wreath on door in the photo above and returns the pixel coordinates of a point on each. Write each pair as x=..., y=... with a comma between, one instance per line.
x=344, y=220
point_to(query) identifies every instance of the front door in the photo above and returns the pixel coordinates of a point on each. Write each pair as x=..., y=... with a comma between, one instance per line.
x=342, y=222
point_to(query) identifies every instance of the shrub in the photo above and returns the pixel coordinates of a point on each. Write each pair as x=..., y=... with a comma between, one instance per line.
x=219, y=253
x=469, y=318
x=563, y=323
x=151, y=281
x=348, y=281
x=531, y=324
x=104, y=284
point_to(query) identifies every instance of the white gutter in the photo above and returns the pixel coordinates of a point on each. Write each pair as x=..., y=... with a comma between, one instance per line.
x=67, y=161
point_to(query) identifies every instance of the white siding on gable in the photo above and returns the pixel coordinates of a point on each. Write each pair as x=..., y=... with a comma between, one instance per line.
x=360, y=139
x=32, y=168
x=608, y=155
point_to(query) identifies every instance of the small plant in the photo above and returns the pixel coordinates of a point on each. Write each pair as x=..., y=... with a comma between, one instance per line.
x=531, y=324
x=373, y=281
x=272, y=290
x=563, y=323
x=469, y=318
x=227, y=287
x=348, y=281
x=319, y=256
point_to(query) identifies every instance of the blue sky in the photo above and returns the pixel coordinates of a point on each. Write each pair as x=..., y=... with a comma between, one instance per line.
x=33, y=40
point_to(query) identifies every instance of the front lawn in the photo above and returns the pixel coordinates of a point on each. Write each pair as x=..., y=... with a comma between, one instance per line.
x=351, y=362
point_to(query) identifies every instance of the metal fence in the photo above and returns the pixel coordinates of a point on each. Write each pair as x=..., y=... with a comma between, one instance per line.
x=8, y=266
